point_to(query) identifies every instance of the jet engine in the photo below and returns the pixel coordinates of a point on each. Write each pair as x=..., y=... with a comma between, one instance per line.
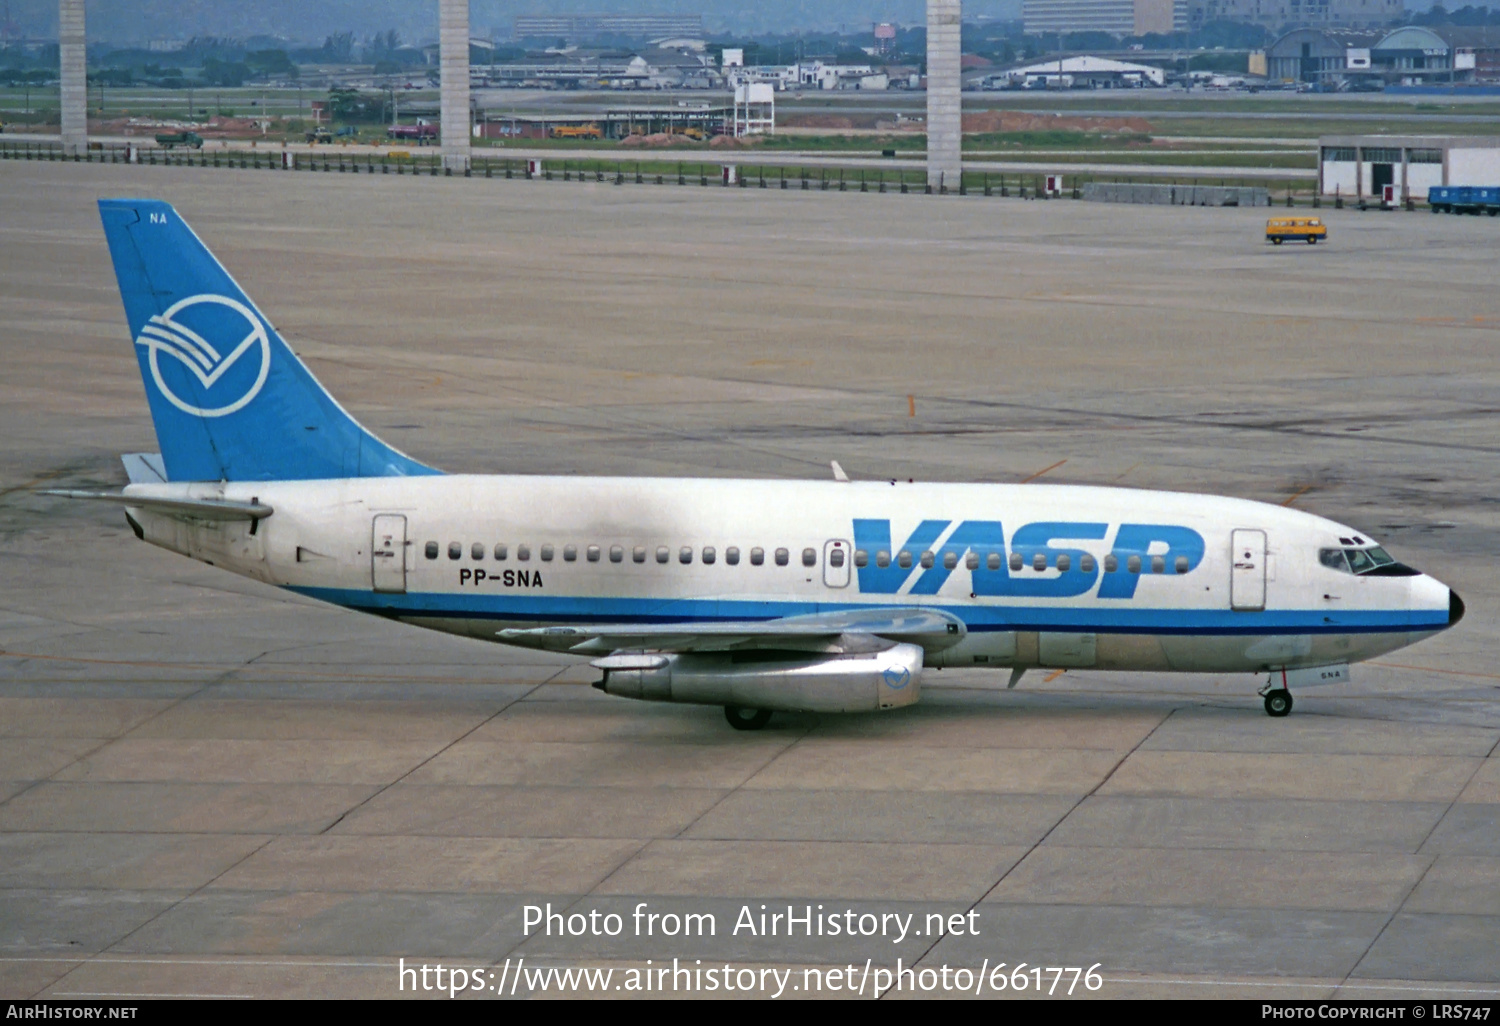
x=763, y=679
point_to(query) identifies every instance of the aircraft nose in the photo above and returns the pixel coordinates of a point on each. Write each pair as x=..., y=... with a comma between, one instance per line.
x=1455, y=608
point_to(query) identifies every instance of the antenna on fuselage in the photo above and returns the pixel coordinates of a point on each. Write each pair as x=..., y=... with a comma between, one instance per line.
x=838, y=471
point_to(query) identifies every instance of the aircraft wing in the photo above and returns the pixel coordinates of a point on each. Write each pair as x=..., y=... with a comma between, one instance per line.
x=839, y=631
x=199, y=509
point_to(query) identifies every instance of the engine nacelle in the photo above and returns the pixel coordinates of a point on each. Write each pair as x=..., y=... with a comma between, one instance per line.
x=770, y=680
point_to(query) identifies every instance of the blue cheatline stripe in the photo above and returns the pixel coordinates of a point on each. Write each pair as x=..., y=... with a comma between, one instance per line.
x=979, y=619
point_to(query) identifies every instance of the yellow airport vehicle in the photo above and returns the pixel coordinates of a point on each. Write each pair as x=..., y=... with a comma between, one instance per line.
x=1296, y=229
x=577, y=132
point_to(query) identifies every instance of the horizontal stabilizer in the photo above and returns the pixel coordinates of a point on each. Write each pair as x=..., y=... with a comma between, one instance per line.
x=931, y=627
x=198, y=509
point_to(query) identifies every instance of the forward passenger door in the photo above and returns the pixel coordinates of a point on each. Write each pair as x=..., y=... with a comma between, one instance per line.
x=1247, y=575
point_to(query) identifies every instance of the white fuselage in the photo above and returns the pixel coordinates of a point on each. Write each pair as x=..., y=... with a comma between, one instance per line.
x=1040, y=575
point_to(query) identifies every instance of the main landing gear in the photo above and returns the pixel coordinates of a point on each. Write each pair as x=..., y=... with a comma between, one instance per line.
x=744, y=718
x=1278, y=702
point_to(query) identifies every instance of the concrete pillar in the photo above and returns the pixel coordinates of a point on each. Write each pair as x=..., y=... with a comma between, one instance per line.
x=73, y=74
x=453, y=50
x=944, y=114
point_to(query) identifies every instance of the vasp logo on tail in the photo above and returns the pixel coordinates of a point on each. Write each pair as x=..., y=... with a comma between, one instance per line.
x=220, y=354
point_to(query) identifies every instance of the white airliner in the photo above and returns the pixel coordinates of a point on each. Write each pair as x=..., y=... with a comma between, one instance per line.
x=824, y=596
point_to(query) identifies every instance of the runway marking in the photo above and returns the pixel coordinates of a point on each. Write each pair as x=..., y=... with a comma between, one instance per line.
x=1297, y=494
x=1044, y=470
x=32, y=483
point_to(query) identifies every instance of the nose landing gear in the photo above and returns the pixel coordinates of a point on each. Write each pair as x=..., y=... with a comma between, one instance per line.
x=1278, y=702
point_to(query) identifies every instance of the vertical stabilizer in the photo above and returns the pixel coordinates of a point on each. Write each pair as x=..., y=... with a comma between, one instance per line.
x=230, y=400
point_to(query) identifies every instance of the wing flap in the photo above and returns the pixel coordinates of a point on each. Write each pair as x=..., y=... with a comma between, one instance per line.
x=840, y=631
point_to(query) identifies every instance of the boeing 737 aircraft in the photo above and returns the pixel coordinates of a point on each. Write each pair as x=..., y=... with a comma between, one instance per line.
x=824, y=596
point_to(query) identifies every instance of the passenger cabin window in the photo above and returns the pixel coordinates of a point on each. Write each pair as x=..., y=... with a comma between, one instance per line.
x=455, y=550
x=1039, y=562
x=882, y=559
x=547, y=553
x=992, y=561
x=732, y=555
x=1086, y=563
x=861, y=558
x=709, y=554
x=616, y=554
x=523, y=552
x=500, y=552
x=1158, y=564
x=903, y=559
x=638, y=554
x=663, y=553
x=1064, y=563
x=1017, y=561
x=1111, y=564
x=950, y=560
x=476, y=551
x=1133, y=564
x=431, y=550
x=1181, y=565
x=783, y=557
x=971, y=561
x=685, y=554
x=927, y=559
x=570, y=553
x=757, y=556
x=593, y=553
x=836, y=558
x=809, y=557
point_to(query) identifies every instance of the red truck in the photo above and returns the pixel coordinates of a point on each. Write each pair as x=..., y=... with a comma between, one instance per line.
x=421, y=133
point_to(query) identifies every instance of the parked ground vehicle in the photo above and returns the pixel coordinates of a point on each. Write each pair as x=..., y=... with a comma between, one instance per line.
x=1296, y=229
x=422, y=133
x=320, y=135
x=1464, y=199
x=577, y=132
x=169, y=140
x=347, y=132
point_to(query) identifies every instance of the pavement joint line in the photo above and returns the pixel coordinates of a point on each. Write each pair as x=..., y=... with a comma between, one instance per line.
x=390, y=784
x=1478, y=765
x=238, y=862
x=106, y=742
x=1041, y=840
x=592, y=891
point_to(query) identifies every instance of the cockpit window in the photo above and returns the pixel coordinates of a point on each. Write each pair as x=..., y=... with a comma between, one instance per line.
x=1333, y=559
x=1374, y=562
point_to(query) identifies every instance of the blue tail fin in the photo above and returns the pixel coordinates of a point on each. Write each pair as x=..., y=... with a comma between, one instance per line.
x=230, y=401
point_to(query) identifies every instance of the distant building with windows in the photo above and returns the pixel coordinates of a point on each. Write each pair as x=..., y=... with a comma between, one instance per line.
x=1275, y=14
x=1117, y=17
x=584, y=27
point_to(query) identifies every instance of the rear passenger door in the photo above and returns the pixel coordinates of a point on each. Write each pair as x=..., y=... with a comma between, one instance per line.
x=388, y=553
